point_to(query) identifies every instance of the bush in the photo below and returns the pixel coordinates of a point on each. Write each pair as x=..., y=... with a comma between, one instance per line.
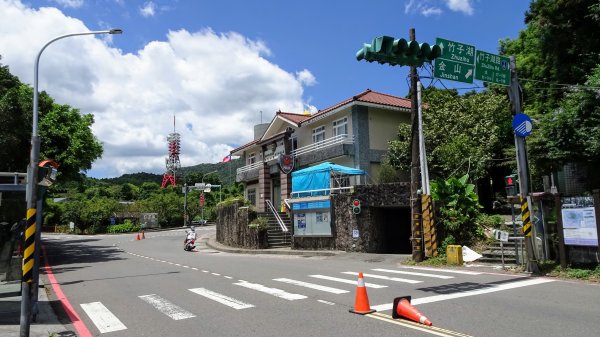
x=493, y=221
x=126, y=227
x=259, y=223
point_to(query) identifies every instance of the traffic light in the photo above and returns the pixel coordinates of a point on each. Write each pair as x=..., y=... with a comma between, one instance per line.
x=386, y=49
x=510, y=182
x=356, y=206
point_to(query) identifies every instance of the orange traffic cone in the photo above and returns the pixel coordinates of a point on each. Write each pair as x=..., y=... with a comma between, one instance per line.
x=403, y=308
x=138, y=236
x=361, y=304
x=143, y=236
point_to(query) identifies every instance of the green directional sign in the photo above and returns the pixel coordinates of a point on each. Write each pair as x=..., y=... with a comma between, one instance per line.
x=457, y=61
x=492, y=68
x=454, y=71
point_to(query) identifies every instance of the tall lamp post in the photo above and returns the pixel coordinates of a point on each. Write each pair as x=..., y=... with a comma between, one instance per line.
x=31, y=230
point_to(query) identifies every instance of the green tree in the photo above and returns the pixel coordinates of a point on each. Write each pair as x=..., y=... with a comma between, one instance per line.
x=65, y=134
x=458, y=211
x=463, y=134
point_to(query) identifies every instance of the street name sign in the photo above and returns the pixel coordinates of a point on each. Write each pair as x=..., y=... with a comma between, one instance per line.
x=457, y=62
x=492, y=68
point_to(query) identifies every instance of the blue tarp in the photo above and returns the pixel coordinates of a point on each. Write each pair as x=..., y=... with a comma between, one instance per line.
x=318, y=177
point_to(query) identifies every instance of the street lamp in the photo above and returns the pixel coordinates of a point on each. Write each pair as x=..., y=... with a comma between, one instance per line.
x=31, y=231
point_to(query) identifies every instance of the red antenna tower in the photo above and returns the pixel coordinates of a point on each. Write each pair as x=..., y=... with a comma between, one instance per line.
x=172, y=163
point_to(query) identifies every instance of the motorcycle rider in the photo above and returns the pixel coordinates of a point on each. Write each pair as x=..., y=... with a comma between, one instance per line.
x=190, y=235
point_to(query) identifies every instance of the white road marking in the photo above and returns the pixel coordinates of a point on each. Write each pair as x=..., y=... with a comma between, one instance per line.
x=343, y=280
x=166, y=307
x=228, y=301
x=216, y=274
x=463, y=272
x=194, y=268
x=326, y=302
x=437, y=298
x=445, y=277
x=397, y=279
x=103, y=319
x=271, y=291
x=312, y=286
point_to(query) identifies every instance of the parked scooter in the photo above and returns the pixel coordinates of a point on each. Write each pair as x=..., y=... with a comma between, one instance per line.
x=190, y=240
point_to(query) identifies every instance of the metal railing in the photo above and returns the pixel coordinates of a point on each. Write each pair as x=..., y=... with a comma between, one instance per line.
x=320, y=192
x=339, y=139
x=276, y=214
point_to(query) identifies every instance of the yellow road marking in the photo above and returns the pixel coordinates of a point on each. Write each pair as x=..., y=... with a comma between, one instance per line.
x=416, y=326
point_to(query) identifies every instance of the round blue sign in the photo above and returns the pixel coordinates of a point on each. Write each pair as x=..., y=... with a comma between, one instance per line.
x=522, y=125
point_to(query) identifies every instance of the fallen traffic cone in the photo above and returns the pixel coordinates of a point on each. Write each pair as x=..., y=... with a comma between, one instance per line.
x=138, y=237
x=361, y=304
x=143, y=236
x=403, y=308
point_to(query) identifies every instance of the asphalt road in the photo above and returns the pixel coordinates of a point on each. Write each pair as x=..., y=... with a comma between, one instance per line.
x=120, y=286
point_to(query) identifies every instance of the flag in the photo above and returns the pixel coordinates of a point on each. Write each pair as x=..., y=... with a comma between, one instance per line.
x=227, y=158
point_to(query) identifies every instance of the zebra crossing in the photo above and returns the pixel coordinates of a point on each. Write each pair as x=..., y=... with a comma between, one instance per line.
x=105, y=321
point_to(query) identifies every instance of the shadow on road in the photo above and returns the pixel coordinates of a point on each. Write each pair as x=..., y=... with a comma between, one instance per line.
x=467, y=286
x=62, y=254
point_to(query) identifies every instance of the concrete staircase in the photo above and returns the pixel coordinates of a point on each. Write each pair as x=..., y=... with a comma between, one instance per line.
x=276, y=238
x=493, y=254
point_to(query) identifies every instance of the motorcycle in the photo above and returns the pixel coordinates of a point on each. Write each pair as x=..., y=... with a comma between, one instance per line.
x=190, y=240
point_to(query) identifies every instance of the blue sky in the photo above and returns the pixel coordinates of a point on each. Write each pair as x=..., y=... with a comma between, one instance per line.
x=216, y=65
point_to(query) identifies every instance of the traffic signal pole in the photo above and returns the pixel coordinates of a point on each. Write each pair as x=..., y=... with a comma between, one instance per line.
x=514, y=93
x=415, y=210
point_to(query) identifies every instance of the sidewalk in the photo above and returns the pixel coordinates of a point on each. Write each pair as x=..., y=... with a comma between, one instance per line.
x=47, y=323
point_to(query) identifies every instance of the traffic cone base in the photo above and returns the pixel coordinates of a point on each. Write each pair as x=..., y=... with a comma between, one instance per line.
x=361, y=304
x=403, y=309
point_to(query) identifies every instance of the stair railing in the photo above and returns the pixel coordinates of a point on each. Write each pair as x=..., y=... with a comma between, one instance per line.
x=276, y=215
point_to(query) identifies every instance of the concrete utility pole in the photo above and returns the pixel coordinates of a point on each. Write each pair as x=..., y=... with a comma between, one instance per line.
x=417, y=232
x=514, y=93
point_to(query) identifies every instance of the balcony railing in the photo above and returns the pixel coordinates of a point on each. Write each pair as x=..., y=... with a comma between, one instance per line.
x=339, y=139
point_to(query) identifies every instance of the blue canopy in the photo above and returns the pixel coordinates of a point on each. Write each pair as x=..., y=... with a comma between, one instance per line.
x=318, y=177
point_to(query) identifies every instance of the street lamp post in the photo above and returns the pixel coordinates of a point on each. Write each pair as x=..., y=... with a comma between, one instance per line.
x=31, y=230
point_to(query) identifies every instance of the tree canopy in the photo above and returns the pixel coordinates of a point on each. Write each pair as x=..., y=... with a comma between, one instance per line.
x=65, y=133
x=463, y=134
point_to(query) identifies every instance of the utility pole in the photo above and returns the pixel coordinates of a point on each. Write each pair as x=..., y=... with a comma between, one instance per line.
x=514, y=93
x=417, y=232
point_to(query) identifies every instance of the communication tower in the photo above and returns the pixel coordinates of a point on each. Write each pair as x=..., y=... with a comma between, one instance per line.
x=172, y=163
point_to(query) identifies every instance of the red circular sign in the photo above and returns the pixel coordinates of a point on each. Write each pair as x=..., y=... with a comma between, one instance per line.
x=356, y=202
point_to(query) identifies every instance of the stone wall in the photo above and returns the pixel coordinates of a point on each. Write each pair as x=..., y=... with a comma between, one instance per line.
x=370, y=237
x=232, y=227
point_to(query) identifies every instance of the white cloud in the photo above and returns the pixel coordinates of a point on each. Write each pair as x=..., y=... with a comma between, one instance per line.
x=215, y=84
x=306, y=77
x=69, y=3
x=431, y=8
x=460, y=6
x=431, y=11
x=148, y=9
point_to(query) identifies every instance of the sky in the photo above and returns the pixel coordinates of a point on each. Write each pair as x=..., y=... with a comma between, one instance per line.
x=217, y=68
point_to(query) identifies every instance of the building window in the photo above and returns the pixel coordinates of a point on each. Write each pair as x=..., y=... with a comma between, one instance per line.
x=340, y=127
x=294, y=143
x=252, y=196
x=318, y=134
x=251, y=158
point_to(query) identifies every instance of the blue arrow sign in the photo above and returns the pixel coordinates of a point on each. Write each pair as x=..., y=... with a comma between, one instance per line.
x=522, y=125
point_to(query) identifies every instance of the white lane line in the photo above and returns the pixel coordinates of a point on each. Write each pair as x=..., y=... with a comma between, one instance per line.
x=228, y=277
x=228, y=301
x=437, y=298
x=343, y=280
x=216, y=274
x=194, y=268
x=463, y=272
x=166, y=307
x=312, y=286
x=396, y=279
x=271, y=291
x=326, y=302
x=445, y=277
x=103, y=319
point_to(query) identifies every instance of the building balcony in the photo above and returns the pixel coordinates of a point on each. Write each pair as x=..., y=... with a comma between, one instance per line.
x=341, y=145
